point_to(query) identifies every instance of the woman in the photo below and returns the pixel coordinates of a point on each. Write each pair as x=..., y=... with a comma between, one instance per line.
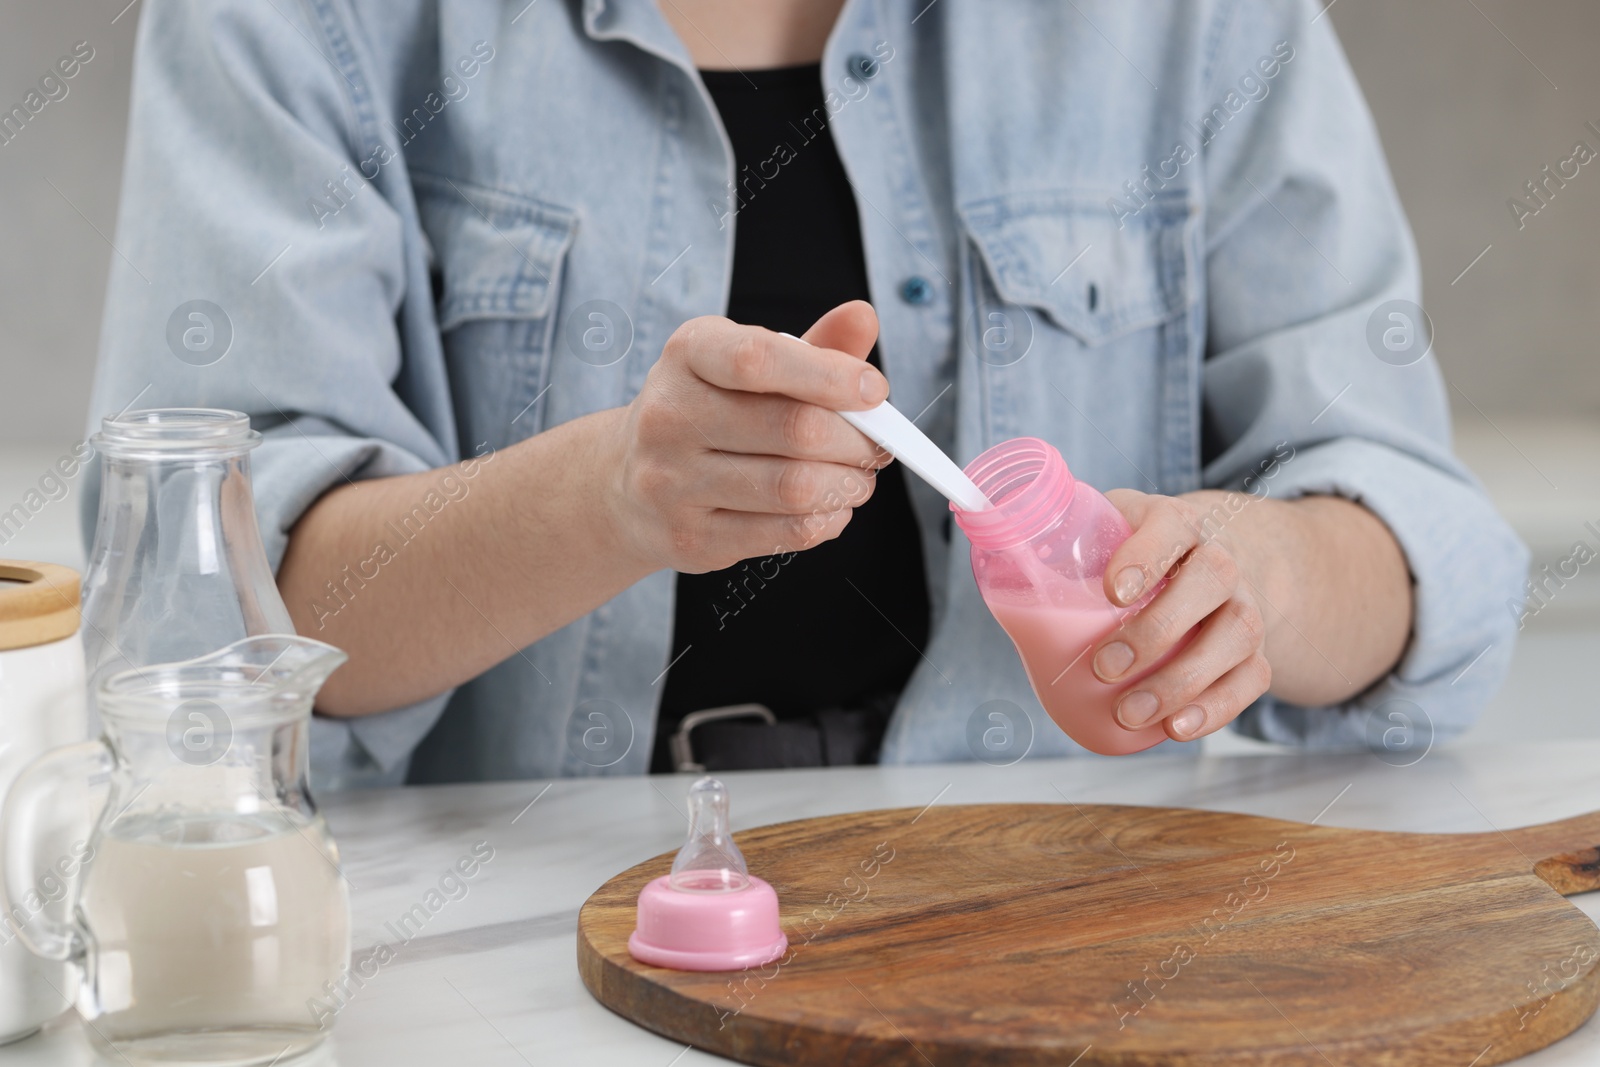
x=504, y=279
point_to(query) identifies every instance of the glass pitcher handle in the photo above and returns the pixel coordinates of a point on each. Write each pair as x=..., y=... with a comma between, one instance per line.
x=42, y=877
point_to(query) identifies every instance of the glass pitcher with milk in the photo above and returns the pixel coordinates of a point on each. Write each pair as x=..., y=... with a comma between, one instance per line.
x=211, y=908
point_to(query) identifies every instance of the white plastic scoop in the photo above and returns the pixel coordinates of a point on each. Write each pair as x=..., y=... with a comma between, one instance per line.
x=890, y=429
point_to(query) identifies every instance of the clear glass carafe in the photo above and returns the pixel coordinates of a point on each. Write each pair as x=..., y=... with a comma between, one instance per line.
x=177, y=568
x=211, y=916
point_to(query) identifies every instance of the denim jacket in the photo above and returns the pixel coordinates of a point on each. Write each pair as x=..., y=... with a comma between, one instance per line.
x=1162, y=236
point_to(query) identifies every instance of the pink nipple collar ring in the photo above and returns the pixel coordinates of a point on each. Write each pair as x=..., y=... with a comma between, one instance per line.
x=710, y=913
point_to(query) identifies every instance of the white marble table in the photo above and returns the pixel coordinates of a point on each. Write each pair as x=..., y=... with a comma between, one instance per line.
x=491, y=979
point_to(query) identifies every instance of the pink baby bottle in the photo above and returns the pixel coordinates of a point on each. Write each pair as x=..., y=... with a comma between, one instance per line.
x=1040, y=556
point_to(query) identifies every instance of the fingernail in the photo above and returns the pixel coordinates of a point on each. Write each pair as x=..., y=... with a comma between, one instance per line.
x=1130, y=583
x=1112, y=661
x=1137, y=708
x=874, y=387
x=1189, y=720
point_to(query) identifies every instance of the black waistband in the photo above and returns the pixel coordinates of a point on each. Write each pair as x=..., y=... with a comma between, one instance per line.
x=831, y=738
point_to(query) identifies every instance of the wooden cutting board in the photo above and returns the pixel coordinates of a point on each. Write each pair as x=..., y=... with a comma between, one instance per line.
x=1094, y=934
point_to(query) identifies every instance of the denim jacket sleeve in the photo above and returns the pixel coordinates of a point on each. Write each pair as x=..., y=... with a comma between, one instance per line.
x=1307, y=250
x=235, y=121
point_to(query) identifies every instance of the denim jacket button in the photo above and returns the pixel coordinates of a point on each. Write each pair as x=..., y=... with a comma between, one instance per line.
x=862, y=66
x=916, y=290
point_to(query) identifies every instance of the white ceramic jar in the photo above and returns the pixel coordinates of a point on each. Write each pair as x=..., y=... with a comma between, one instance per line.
x=42, y=706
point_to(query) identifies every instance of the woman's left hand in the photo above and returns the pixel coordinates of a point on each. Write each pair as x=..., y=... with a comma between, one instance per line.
x=1210, y=586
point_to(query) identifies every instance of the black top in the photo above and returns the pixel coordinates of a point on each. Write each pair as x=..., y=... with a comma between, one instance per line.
x=819, y=631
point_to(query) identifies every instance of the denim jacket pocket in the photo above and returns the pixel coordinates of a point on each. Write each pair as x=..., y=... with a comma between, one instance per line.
x=1088, y=331
x=1066, y=254
x=498, y=260
x=499, y=253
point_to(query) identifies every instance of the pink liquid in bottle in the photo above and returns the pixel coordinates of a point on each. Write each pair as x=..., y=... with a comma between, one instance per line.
x=1039, y=556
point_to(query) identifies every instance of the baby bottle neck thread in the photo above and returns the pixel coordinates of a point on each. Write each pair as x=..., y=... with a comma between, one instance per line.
x=1031, y=487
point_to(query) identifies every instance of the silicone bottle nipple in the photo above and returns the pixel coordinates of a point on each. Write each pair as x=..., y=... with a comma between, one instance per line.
x=709, y=862
x=710, y=913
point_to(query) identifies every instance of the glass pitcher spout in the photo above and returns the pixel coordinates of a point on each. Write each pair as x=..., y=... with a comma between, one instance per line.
x=293, y=667
x=270, y=674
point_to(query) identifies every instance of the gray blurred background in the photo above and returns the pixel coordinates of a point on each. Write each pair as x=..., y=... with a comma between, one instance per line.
x=1473, y=98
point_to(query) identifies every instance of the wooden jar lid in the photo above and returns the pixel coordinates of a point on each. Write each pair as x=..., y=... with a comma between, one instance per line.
x=42, y=609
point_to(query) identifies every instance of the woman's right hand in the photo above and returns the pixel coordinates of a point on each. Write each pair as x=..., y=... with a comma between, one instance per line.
x=732, y=449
